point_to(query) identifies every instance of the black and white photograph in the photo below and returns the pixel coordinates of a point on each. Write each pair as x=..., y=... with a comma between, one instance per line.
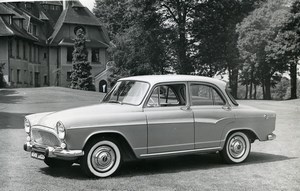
x=158, y=95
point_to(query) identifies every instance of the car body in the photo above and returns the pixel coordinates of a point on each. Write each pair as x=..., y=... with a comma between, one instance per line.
x=149, y=116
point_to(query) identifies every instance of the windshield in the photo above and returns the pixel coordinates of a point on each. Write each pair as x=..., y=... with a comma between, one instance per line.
x=127, y=92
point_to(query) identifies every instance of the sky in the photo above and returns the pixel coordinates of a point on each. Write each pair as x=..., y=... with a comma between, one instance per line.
x=88, y=3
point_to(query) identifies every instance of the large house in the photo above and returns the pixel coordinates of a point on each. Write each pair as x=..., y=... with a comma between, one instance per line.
x=37, y=39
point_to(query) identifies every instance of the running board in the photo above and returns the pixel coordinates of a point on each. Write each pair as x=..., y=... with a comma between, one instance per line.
x=181, y=152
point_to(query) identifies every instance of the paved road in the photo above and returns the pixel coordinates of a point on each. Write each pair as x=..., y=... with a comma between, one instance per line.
x=271, y=166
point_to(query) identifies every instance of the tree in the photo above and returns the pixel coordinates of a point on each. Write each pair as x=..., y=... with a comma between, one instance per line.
x=215, y=37
x=257, y=32
x=137, y=36
x=178, y=18
x=286, y=47
x=81, y=74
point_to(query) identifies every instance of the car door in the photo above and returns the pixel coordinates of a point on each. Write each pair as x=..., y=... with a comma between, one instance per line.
x=211, y=114
x=170, y=121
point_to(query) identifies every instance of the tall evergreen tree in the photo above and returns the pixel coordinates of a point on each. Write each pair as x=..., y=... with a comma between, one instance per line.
x=81, y=74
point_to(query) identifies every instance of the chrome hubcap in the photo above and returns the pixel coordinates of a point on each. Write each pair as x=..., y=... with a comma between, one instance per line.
x=103, y=158
x=237, y=147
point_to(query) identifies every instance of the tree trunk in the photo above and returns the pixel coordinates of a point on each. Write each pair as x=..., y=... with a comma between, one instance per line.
x=246, y=94
x=250, y=95
x=233, y=81
x=268, y=87
x=293, y=75
x=255, y=87
x=263, y=89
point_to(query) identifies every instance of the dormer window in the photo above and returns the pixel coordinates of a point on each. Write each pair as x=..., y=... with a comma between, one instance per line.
x=8, y=19
x=79, y=27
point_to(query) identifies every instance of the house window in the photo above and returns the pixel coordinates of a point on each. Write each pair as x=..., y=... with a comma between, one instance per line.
x=11, y=75
x=31, y=78
x=45, y=80
x=34, y=54
x=30, y=28
x=95, y=55
x=24, y=51
x=34, y=30
x=10, y=48
x=30, y=53
x=69, y=54
x=25, y=76
x=79, y=27
x=18, y=76
x=69, y=76
x=45, y=55
x=18, y=50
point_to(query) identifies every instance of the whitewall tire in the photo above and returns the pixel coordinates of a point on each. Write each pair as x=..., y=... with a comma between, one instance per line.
x=237, y=148
x=102, y=158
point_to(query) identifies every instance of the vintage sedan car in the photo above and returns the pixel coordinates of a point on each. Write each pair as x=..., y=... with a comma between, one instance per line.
x=149, y=116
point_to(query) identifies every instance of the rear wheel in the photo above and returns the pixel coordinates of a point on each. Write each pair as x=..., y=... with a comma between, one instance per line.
x=57, y=163
x=102, y=158
x=237, y=148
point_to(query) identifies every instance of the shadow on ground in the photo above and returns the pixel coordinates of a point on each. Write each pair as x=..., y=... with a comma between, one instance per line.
x=168, y=165
x=12, y=120
x=7, y=96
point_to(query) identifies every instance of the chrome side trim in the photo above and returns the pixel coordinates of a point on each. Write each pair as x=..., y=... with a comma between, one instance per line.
x=180, y=152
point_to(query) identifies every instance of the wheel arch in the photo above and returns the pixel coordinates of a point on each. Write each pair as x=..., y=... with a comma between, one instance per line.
x=126, y=149
x=252, y=135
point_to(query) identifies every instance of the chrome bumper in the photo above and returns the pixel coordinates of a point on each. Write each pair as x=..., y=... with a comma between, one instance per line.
x=52, y=152
x=271, y=136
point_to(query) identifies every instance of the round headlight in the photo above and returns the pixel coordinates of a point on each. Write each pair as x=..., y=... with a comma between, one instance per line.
x=27, y=125
x=60, y=128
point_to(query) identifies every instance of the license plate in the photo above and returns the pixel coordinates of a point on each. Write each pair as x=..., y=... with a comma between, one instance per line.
x=37, y=156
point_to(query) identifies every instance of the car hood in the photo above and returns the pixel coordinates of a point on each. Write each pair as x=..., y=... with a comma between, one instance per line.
x=72, y=116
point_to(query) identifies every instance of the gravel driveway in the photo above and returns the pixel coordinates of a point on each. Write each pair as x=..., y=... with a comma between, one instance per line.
x=273, y=165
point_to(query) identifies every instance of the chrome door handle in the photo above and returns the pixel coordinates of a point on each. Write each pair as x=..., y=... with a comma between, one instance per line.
x=185, y=108
x=227, y=108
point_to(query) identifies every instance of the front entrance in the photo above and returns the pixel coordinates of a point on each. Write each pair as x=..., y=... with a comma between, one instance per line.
x=103, y=86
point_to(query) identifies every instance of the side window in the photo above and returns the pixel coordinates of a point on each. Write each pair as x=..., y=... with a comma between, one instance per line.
x=154, y=98
x=205, y=95
x=218, y=100
x=168, y=95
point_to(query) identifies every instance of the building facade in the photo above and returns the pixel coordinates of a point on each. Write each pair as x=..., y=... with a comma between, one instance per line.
x=37, y=40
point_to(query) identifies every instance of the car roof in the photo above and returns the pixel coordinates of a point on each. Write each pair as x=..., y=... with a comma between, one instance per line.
x=154, y=79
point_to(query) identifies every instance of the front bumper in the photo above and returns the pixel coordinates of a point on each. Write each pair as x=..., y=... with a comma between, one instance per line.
x=52, y=152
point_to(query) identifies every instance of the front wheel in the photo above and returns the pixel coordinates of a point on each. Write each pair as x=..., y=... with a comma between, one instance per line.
x=102, y=158
x=237, y=148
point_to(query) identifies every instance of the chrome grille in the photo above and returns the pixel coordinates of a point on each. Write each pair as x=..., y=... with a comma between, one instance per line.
x=44, y=138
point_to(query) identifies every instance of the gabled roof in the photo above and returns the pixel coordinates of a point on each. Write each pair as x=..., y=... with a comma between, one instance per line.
x=80, y=16
x=77, y=14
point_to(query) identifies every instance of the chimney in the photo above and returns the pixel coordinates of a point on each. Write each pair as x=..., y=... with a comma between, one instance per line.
x=64, y=4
